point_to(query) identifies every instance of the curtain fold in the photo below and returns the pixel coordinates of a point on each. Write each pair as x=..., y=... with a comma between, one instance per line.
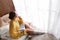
x=54, y=18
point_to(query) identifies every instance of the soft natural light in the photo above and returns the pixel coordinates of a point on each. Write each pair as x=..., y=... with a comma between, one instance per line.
x=34, y=11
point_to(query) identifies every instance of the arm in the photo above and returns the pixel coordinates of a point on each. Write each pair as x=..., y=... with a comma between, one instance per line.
x=20, y=20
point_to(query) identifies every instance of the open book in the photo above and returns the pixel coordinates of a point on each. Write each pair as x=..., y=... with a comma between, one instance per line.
x=22, y=27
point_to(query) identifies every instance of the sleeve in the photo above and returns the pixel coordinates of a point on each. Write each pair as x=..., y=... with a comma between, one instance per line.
x=20, y=20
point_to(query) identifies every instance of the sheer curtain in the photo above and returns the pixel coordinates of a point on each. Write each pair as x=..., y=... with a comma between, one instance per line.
x=34, y=11
x=54, y=18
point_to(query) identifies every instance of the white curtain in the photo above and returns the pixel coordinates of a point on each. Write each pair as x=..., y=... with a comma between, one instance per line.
x=44, y=14
x=54, y=18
